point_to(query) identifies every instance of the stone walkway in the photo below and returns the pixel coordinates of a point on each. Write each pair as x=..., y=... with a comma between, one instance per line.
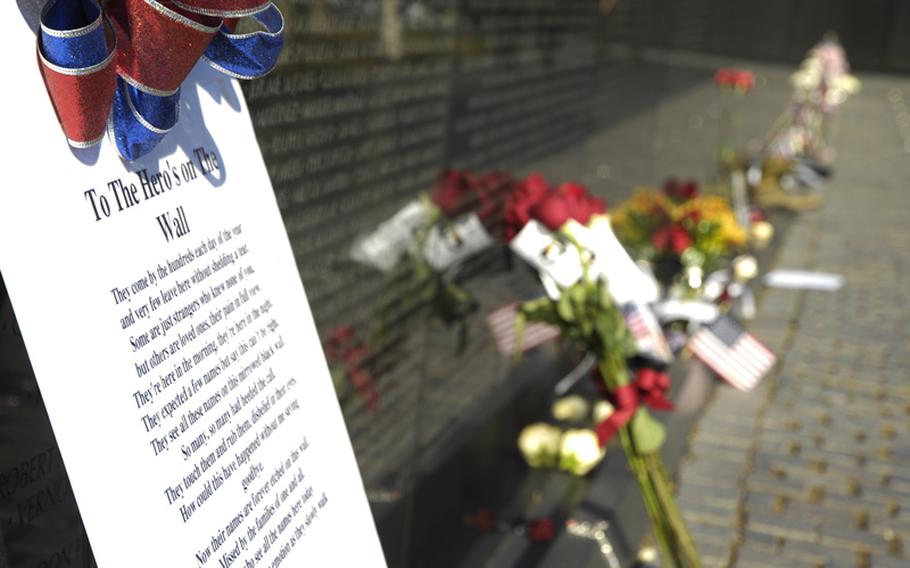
x=813, y=467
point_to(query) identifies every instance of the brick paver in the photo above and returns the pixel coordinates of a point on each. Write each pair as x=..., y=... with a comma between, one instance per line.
x=813, y=467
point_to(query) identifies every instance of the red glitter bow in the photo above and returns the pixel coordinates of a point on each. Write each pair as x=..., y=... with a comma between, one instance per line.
x=126, y=59
x=650, y=387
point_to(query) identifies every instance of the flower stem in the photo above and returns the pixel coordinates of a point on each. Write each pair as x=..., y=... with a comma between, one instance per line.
x=661, y=482
x=677, y=549
x=659, y=524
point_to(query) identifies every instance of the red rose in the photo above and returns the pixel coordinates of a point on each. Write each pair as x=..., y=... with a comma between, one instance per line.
x=659, y=215
x=724, y=77
x=681, y=191
x=452, y=192
x=744, y=80
x=524, y=196
x=357, y=356
x=740, y=79
x=541, y=530
x=489, y=190
x=582, y=205
x=756, y=215
x=339, y=337
x=573, y=190
x=692, y=216
x=341, y=333
x=553, y=211
x=366, y=387
x=536, y=184
x=671, y=238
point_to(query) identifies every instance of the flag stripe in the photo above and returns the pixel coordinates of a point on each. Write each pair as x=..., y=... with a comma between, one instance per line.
x=502, y=326
x=714, y=353
x=734, y=370
x=648, y=335
x=751, y=356
x=733, y=353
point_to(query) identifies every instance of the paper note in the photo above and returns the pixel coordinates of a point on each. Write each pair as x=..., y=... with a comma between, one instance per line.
x=172, y=341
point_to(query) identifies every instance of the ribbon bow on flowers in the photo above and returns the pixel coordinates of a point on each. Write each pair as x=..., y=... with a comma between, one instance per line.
x=650, y=387
x=118, y=65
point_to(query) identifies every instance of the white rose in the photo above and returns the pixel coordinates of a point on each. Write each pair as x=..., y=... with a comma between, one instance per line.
x=539, y=444
x=570, y=409
x=848, y=83
x=602, y=411
x=805, y=79
x=762, y=233
x=745, y=267
x=580, y=451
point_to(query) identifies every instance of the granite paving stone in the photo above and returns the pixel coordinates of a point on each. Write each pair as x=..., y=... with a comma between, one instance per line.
x=817, y=459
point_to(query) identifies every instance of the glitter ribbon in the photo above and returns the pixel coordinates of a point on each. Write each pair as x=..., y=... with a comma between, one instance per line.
x=118, y=67
x=650, y=387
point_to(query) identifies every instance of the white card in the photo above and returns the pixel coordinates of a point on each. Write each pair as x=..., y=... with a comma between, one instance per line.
x=448, y=245
x=627, y=282
x=538, y=247
x=383, y=247
x=697, y=311
x=182, y=374
x=804, y=280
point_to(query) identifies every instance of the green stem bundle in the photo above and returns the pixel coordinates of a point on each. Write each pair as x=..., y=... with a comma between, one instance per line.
x=677, y=549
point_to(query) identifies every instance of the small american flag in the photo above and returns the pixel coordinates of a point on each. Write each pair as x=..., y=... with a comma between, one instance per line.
x=648, y=335
x=502, y=324
x=733, y=353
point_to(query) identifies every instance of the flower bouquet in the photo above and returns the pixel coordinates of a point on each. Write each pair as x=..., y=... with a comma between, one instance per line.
x=568, y=239
x=822, y=83
x=422, y=246
x=679, y=232
x=734, y=84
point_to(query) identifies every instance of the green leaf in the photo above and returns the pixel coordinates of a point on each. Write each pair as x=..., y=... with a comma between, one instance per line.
x=605, y=327
x=579, y=295
x=564, y=308
x=605, y=300
x=648, y=434
x=542, y=309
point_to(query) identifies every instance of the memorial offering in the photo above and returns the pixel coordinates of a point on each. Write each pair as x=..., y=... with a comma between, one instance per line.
x=734, y=85
x=682, y=234
x=796, y=160
x=822, y=83
x=422, y=246
x=566, y=238
x=179, y=363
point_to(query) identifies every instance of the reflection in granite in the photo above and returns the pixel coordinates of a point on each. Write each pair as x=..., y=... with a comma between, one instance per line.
x=370, y=102
x=39, y=522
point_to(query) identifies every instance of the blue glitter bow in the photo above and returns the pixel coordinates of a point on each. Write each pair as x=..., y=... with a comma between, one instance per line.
x=120, y=68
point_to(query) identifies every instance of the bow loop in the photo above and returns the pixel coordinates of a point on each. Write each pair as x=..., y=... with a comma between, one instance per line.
x=650, y=387
x=250, y=55
x=126, y=70
x=76, y=49
x=653, y=386
x=160, y=42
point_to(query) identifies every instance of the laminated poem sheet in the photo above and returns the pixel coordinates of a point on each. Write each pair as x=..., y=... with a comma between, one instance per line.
x=171, y=338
